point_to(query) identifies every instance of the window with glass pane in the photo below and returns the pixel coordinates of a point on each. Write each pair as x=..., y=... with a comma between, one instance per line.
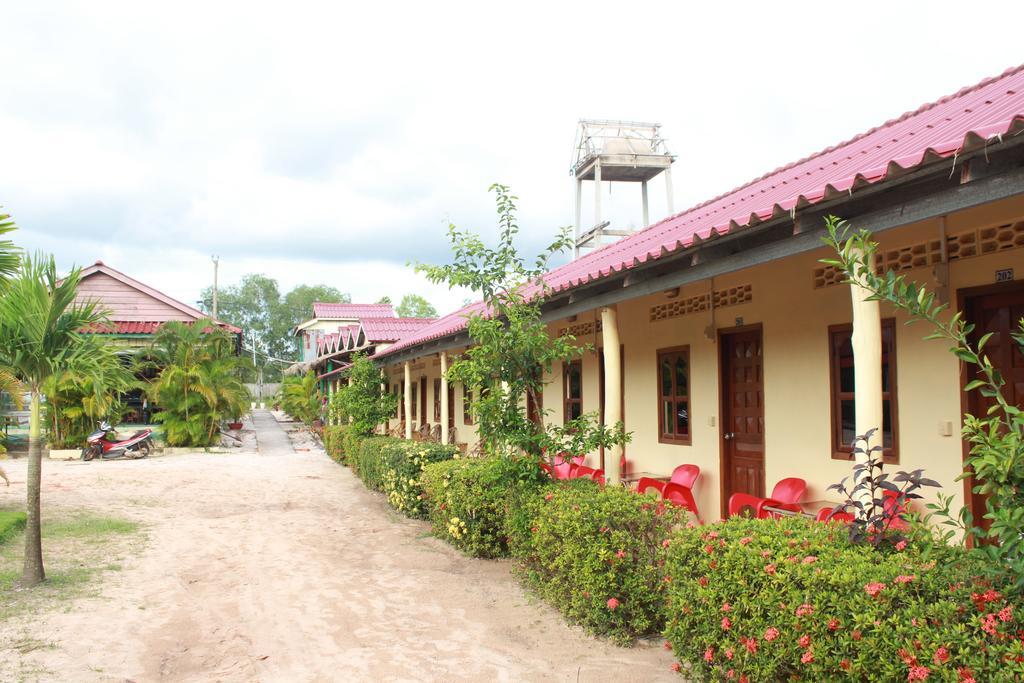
x=573, y=389
x=674, y=395
x=844, y=417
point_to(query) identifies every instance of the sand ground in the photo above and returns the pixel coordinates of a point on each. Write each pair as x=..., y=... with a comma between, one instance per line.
x=275, y=564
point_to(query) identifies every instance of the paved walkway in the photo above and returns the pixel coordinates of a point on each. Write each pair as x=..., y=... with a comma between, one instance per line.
x=270, y=437
x=288, y=569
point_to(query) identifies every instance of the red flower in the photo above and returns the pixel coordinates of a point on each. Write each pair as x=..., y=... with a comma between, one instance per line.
x=1006, y=614
x=726, y=624
x=549, y=496
x=703, y=580
x=908, y=659
x=810, y=559
x=712, y=535
x=745, y=540
x=918, y=673
x=804, y=610
x=965, y=675
x=729, y=653
x=676, y=667
x=726, y=607
x=844, y=665
x=903, y=578
x=804, y=641
x=612, y=603
x=709, y=549
x=730, y=674
x=769, y=569
x=988, y=624
x=873, y=589
x=665, y=543
x=833, y=624
x=621, y=554
x=901, y=545
x=744, y=679
x=668, y=645
x=709, y=654
x=807, y=657
x=533, y=529
x=765, y=553
x=771, y=633
x=941, y=656
x=856, y=635
x=751, y=645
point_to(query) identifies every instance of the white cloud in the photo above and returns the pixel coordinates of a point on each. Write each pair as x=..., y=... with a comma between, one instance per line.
x=332, y=142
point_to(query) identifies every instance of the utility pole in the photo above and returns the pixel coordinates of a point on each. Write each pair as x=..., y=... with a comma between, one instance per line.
x=216, y=263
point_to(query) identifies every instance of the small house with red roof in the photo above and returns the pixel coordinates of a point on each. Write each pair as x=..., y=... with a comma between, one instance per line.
x=721, y=339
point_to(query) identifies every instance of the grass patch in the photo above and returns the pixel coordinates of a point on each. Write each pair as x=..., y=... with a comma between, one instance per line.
x=11, y=523
x=77, y=549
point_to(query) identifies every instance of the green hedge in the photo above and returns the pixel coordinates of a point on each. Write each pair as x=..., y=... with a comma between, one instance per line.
x=764, y=600
x=597, y=555
x=470, y=498
x=11, y=522
x=395, y=467
x=334, y=441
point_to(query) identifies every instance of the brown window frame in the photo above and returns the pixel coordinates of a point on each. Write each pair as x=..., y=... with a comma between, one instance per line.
x=567, y=400
x=423, y=401
x=674, y=437
x=842, y=451
x=415, y=403
x=437, y=400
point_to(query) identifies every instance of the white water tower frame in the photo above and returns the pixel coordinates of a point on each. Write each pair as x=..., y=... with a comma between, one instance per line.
x=617, y=151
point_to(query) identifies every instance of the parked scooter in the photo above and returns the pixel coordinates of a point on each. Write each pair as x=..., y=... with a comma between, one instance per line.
x=103, y=444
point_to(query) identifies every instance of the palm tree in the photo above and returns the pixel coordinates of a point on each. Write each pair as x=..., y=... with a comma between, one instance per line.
x=40, y=328
x=8, y=252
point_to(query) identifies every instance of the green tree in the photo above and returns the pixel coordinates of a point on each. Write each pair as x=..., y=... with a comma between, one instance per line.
x=512, y=349
x=40, y=323
x=996, y=440
x=384, y=300
x=9, y=254
x=415, y=306
x=199, y=384
x=363, y=399
x=300, y=397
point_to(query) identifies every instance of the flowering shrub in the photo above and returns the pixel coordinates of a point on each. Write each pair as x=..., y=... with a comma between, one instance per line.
x=470, y=498
x=395, y=466
x=334, y=441
x=597, y=554
x=761, y=600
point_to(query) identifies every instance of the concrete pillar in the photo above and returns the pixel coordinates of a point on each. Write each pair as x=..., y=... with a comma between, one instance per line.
x=612, y=389
x=444, y=398
x=643, y=198
x=867, y=363
x=408, y=400
x=597, y=192
x=668, y=191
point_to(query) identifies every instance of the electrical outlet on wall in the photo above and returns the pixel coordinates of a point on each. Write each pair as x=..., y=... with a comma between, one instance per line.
x=711, y=421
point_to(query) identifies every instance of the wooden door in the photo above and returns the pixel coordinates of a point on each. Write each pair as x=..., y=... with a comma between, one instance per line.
x=423, y=401
x=996, y=310
x=451, y=406
x=742, y=381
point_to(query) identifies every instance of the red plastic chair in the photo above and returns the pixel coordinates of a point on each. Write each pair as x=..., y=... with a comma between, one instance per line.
x=786, y=495
x=646, y=484
x=681, y=496
x=546, y=467
x=581, y=472
x=575, y=460
x=563, y=470
x=685, y=475
x=598, y=476
x=826, y=515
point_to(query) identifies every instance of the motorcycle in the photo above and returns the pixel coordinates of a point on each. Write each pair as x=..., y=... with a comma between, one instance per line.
x=103, y=444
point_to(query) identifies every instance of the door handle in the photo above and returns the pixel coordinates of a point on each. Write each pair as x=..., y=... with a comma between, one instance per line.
x=728, y=435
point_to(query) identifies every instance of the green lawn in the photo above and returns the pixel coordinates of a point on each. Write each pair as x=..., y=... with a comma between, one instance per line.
x=11, y=523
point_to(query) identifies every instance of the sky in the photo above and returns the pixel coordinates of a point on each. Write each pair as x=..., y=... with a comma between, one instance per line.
x=333, y=143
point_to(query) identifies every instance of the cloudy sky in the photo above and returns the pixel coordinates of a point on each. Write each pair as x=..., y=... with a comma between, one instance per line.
x=333, y=142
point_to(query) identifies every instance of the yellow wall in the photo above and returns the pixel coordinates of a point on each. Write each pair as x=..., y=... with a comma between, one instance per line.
x=795, y=318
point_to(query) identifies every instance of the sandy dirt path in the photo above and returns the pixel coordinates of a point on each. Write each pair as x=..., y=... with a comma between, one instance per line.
x=280, y=566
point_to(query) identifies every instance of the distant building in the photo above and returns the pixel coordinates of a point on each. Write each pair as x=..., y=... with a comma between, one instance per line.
x=328, y=318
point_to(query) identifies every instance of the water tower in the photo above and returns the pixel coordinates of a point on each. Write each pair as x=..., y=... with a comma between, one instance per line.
x=616, y=152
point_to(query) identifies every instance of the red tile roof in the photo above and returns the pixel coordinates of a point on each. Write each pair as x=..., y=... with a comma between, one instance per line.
x=966, y=120
x=139, y=327
x=392, y=329
x=334, y=310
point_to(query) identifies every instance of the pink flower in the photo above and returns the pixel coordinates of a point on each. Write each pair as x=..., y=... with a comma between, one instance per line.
x=1006, y=614
x=771, y=633
x=988, y=624
x=807, y=657
x=621, y=554
x=918, y=673
x=804, y=610
x=746, y=540
x=804, y=641
x=730, y=674
x=676, y=667
x=904, y=578
x=726, y=607
x=751, y=645
x=765, y=553
x=612, y=603
x=873, y=589
x=709, y=654
x=941, y=656
x=712, y=535
x=833, y=624
x=901, y=545
x=549, y=496
x=709, y=549
x=726, y=624
x=769, y=569
x=810, y=559
x=665, y=543
x=965, y=675
x=667, y=645
x=691, y=525
x=729, y=654
x=844, y=665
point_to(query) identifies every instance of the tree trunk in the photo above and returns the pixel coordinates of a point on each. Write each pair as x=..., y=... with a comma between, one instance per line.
x=32, y=572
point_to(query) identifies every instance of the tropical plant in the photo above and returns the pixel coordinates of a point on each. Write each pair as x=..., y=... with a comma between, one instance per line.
x=40, y=323
x=996, y=460
x=362, y=399
x=511, y=349
x=86, y=388
x=300, y=397
x=198, y=385
x=415, y=306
